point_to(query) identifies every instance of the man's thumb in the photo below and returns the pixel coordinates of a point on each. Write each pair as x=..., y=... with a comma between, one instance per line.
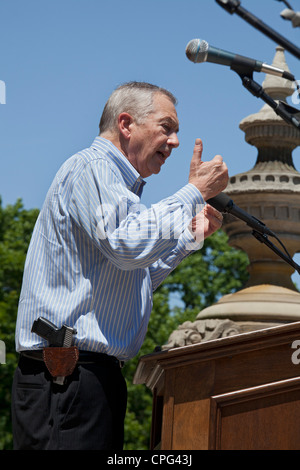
x=197, y=153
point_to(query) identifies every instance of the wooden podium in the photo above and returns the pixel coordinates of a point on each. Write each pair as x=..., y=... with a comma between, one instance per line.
x=236, y=393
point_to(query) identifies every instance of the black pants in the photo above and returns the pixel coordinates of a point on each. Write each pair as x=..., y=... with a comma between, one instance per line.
x=87, y=413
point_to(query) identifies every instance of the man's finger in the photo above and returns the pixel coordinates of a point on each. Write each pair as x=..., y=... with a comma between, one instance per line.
x=218, y=160
x=210, y=210
x=197, y=153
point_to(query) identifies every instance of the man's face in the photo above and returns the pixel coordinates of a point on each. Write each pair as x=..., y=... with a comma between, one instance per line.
x=152, y=142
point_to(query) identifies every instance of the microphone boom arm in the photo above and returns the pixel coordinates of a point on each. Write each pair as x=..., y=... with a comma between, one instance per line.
x=286, y=112
x=233, y=6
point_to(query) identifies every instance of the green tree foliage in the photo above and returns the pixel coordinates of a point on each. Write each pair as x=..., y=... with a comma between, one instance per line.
x=16, y=226
x=199, y=281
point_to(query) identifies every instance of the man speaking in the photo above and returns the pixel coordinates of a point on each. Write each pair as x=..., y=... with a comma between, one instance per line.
x=94, y=260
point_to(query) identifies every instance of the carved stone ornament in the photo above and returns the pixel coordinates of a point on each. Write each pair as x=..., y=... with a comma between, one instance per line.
x=201, y=330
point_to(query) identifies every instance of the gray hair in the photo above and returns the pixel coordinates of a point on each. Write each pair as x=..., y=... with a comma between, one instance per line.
x=135, y=98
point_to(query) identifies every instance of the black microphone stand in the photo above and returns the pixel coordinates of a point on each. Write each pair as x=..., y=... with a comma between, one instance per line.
x=285, y=111
x=233, y=6
x=264, y=239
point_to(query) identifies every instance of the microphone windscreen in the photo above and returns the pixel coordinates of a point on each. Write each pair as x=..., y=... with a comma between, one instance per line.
x=196, y=50
x=220, y=202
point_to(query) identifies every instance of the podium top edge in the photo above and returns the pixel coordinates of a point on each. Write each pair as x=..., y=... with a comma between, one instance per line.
x=221, y=347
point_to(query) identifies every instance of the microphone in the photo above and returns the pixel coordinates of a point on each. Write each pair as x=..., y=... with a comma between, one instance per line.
x=198, y=51
x=223, y=203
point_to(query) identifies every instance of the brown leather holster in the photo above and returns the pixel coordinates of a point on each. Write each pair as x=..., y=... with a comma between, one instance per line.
x=60, y=361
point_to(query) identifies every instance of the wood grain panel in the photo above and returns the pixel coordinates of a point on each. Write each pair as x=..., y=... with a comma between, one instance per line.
x=259, y=418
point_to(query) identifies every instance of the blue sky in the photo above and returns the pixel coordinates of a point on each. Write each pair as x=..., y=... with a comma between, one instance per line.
x=60, y=60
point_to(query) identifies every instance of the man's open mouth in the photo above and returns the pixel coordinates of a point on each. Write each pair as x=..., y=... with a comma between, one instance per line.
x=162, y=156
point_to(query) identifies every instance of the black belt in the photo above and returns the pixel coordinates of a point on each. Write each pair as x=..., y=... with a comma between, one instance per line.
x=85, y=357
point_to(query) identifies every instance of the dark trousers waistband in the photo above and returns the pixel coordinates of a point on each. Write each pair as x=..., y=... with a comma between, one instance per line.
x=85, y=357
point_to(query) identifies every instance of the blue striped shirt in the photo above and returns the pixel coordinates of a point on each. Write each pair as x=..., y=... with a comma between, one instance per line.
x=96, y=254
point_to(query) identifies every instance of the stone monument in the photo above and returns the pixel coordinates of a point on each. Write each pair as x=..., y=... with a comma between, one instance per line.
x=271, y=192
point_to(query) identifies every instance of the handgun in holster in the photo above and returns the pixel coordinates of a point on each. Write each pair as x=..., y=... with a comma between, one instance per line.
x=60, y=357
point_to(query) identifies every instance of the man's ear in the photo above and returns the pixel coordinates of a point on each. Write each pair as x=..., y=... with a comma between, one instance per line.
x=125, y=121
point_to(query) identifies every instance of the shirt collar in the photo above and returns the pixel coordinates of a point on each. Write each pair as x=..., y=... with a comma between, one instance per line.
x=132, y=178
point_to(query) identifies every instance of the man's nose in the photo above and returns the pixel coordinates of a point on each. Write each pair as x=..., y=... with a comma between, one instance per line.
x=173, y=140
